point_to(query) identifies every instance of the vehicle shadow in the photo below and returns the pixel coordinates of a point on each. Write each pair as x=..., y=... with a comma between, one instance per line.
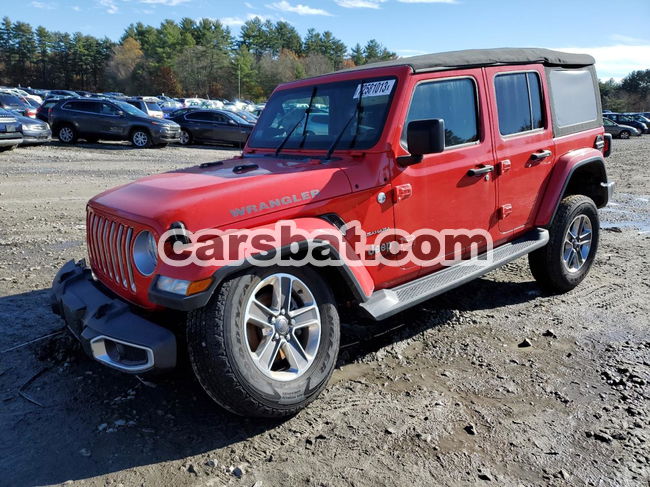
x=66, y=417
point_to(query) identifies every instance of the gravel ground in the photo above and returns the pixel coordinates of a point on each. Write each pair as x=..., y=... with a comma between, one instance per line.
x=440, y=395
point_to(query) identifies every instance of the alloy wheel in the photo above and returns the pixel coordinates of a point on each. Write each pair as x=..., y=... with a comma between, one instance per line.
x=66, y=135
x=577, y=243
x=140, y=139
x=282, y=326
x=185, y=137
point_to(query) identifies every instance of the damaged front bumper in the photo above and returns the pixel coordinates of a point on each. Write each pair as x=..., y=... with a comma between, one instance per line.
x=107, y=328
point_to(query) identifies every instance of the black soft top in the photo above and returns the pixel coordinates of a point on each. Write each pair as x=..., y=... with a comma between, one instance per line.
x=472, y=58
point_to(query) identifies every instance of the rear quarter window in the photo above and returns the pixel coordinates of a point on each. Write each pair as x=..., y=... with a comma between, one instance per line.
x=574, y=100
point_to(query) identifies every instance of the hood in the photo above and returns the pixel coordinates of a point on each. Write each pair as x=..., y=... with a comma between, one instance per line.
x=224, y=194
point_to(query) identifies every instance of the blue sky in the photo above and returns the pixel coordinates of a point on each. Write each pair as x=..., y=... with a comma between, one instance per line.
x=616, y=33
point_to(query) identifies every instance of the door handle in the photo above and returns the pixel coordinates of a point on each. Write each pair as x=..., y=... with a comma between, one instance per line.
x=479, y=171
x=541, y=155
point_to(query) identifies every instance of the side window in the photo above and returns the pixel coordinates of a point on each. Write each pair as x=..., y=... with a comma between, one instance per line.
x=107, y=109
x=199, y=116
x=81, y=106
x=219, y=118
x=519, y=102
x=452, y=100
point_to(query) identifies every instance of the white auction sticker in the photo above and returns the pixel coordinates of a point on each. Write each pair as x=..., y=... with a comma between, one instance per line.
x=376, y=88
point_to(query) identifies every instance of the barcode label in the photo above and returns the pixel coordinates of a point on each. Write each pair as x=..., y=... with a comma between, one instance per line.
x=376, y=88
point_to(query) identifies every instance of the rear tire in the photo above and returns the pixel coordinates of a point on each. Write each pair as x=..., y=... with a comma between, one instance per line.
x=245, y=355
x=67, y=134
x=186, y=137
x=573, y=241
x=8, y=148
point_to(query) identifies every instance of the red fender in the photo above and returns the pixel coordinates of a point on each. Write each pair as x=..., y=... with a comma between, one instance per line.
x=560, y=176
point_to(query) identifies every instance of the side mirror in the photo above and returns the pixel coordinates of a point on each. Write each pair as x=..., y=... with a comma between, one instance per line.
x=120, y=113
x=423, y=137
x=232, y=122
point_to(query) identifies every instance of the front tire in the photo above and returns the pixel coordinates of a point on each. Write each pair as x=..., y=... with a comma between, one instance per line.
x=573, y=241
x=624, y=134
x=8, y=148
x=140, y=138
x=267, y=342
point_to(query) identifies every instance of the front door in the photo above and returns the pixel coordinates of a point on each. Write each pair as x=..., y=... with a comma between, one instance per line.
x=453, y=190
x=523, y=142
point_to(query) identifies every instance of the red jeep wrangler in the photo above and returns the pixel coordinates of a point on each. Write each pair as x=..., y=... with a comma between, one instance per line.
x=431, y=170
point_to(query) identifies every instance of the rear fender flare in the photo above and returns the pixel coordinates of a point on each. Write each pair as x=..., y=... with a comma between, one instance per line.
x=567, y=166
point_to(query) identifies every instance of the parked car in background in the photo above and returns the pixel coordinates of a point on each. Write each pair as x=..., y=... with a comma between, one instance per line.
x=10, y=101
x=248, y=116
x=10, y=135
x=113, y=94
x=62, y=93
x=147, y=105
x=619, y=131
x=623, y=119
x=42, y=111
x=640, y=117
x=28, y=96
x=34, y=131
x=93, y=119
x=213, y=126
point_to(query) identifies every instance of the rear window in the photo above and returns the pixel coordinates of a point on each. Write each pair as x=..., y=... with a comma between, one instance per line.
x=154, y=107
x=452, y=100
x=10, y=100
x=519, y=102
x=573, y=97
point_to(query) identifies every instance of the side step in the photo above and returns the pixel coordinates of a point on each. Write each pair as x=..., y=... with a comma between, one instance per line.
x=387, y=302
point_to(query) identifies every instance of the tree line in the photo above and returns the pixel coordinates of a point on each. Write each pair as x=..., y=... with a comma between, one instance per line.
x=186, y=58
x=631, y=94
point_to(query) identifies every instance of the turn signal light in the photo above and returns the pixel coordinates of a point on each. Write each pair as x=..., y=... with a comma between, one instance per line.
x=198, y=286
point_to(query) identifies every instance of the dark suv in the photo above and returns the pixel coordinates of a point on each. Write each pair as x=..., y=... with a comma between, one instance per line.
x=94, y=119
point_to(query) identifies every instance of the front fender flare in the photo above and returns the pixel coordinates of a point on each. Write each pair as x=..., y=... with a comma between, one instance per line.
x=356, y=278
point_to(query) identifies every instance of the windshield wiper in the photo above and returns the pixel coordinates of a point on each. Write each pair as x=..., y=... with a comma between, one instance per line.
x=302, y=117
x=356, y=113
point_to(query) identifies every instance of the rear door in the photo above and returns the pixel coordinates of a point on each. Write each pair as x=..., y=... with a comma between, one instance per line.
x=112, y=124
x=199, y=123
x=523, y=142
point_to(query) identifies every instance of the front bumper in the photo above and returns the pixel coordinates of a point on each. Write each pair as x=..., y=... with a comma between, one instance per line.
x=7, y=140
x=109, y=331
x=37, y=137
x=167, y=137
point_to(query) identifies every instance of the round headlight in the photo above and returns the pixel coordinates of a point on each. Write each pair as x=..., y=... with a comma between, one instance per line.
x=145, y=253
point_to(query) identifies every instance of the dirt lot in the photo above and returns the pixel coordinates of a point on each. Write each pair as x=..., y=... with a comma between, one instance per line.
x=440, y=395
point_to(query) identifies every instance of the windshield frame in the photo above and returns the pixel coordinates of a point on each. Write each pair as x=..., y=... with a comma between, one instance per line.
x=324, y=85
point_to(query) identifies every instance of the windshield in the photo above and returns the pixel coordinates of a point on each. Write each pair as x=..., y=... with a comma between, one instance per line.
x=130, y=109
x=153, y=106
x=332, y=107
